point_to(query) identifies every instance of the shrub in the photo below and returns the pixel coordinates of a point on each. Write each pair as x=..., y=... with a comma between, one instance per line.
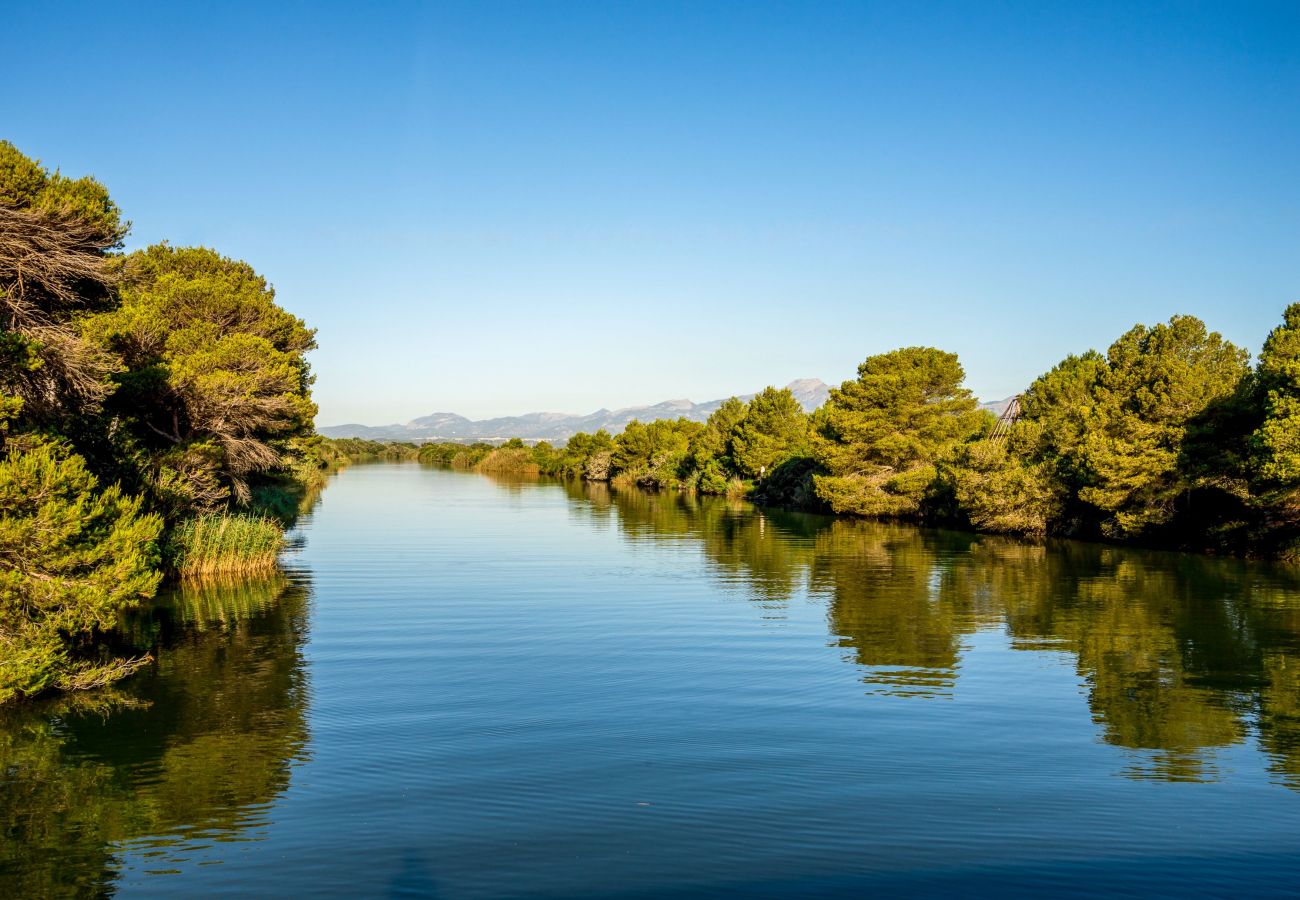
x=72, y=557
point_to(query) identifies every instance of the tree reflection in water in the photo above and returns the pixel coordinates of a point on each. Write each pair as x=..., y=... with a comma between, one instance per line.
x=1181, y=655
x=193, y=750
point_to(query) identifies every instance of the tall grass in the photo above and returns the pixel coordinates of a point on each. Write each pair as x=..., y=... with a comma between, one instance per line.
x=225, y=544
x=509, y=461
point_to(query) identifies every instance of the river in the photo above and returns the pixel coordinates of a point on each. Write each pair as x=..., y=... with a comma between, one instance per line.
x=464, y=687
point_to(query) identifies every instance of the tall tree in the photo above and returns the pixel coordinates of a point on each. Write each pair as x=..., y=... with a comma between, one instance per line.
x=773, y=429
x=1156, y=381
x=1027, y=483
x=712, y=450
x=882, y=436
x=1277, y=440
x=715, y=441
x=72, y=557
x=217, y=384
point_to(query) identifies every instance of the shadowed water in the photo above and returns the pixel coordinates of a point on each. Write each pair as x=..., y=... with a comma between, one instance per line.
x=467, y=687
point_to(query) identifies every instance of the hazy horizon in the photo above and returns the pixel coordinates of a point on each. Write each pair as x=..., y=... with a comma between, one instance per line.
x=496, y=209
x=577, y=412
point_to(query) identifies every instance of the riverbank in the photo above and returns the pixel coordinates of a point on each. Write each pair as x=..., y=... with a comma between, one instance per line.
x=1169, y=439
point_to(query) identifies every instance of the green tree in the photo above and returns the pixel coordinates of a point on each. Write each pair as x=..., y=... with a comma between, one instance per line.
x=27, y=186
x=712, y=450
x=882, y=436
x=1000, y=490
x=217, y=385
x=1157, y=380
x=715, y=441
x=1027, y=483
x=579, y=450
x=774, y=429
x=1277, y=440
x=1061, y=404
x=72, y=557
x=655, y=453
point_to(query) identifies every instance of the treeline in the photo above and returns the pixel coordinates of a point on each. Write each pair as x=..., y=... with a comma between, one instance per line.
x=739, y=445
x=338, y=452
x=1169, y=438
x=155, y=417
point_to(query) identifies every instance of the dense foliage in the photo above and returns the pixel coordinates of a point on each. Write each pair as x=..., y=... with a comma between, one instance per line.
x=155, y=414
x=72, y=557
x=1168, y=438
x=882, y=438
x=739, y=443
x=215, y=386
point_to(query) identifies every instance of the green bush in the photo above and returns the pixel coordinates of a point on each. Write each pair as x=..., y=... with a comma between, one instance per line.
x=72, y=557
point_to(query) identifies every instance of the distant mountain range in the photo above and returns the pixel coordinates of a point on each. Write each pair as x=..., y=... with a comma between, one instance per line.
x=549, y=426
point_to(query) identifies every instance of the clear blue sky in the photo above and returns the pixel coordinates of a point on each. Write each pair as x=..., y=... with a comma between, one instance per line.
x=496, y=208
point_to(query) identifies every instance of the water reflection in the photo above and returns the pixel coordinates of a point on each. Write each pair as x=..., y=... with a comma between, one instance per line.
x=899, y=599
x=1181, y=656
x=194, y=750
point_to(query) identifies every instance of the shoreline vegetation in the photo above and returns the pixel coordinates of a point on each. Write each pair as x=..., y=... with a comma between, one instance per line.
x=156, y=423
x=1170, y=439
x=225, y=544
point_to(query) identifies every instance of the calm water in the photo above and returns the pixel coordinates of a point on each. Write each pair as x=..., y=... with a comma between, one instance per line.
x=474, y=688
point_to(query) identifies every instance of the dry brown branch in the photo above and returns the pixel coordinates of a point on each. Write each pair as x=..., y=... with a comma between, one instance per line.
x=46, y=261
x=51, y=267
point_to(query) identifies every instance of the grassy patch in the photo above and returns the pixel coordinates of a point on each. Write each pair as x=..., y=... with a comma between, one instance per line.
x=509, y=461
x=225, y=544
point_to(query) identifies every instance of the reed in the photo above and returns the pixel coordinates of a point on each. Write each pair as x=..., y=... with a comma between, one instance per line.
x=225, y=544
x=509, y=461
x=736, y=489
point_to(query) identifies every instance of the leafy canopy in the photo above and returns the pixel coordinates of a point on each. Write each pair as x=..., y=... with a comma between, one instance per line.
x=26, y=185
x=882, y=436
x=54, y=233
x=72, y=556
x=774, y=428
x=1156, y=381
x=216, y=377
x=1277, y=440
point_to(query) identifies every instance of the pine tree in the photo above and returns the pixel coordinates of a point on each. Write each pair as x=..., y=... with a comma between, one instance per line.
x=1277, y=441
x=773, y=430
x=882, y=436
x=72, y=556
x=1156, y=382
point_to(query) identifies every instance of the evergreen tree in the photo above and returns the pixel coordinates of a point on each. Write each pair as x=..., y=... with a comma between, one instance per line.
x=654, y=454
x=773, y=429
x=712, y=450
x=1277, y=440
x=1061, y=404
x=217, y=385
x=1001, y=490
x=1026, y=484
x=715, y=442
x=54, y=234
x=1156, y=382
x=882, y=436
x=72, y=556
